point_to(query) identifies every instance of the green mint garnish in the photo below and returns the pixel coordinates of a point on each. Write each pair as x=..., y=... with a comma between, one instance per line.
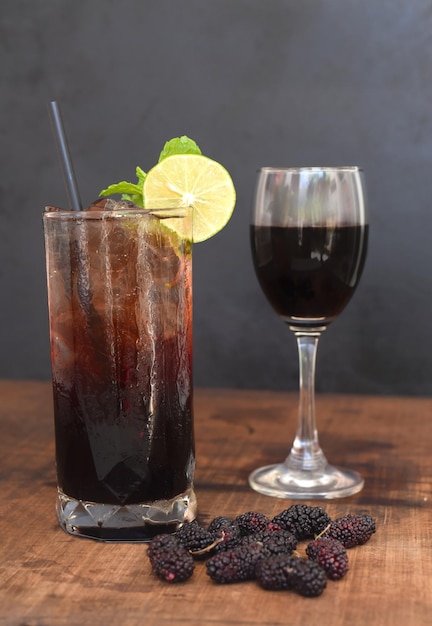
x=179, y=145
x=129, y=191
x=134, y=191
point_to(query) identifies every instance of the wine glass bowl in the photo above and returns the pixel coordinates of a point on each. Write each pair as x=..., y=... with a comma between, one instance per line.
x=309, y=237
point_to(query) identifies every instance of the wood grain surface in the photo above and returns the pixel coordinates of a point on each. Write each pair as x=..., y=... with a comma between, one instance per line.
x=48, y=578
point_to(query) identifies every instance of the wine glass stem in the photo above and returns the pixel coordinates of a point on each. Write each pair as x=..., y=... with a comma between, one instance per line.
x=306, y=454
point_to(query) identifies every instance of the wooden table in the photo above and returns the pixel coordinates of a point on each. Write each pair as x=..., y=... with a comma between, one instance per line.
x=48, y=578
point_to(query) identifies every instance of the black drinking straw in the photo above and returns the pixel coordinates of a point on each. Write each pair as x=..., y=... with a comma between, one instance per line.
x=65, y=158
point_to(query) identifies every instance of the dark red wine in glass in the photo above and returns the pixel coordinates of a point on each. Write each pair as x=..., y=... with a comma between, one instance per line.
x=309, y=236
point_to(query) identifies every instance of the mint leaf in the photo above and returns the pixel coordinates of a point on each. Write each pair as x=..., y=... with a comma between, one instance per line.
x=122, y=187
x=141, y=175
x=130, y=191
x=137, y=199
x=179, y=145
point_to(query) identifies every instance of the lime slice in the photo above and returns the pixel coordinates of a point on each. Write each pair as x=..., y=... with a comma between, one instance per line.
x=191, y=180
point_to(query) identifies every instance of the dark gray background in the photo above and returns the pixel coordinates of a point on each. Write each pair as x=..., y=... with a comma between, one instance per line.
x=254, y=82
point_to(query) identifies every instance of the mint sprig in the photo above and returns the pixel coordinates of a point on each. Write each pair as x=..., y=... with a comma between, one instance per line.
x=134, y=191
x=129, y=191
x=179, y=145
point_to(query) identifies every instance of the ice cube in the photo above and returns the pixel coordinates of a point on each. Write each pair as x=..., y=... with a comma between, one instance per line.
x=110, y=204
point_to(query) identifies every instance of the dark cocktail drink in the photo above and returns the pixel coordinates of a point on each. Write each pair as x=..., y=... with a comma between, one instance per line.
x=120, y=308
x=120, y=305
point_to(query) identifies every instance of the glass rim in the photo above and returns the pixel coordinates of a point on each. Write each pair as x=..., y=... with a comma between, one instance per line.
x=312, y=168
x=53, y=212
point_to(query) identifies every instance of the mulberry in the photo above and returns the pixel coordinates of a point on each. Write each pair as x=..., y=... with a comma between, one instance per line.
x=306, y=577
x=274, y=541
x=272, y=572
x=252, y=522
x=194, y=537
x=286, y=572
x=331, y=555
x=172, y=564
x=226, y=530
x=235, y=565
x=351, y=530
x=161, y=542
x=304, y=521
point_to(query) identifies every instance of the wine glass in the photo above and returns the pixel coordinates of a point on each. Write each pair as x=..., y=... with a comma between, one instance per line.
x=309, y=237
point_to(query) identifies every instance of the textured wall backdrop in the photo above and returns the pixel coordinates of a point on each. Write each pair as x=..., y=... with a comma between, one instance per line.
x=280, y=82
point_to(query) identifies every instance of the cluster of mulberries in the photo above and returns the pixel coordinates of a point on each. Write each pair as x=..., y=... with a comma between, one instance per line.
x=252, y=546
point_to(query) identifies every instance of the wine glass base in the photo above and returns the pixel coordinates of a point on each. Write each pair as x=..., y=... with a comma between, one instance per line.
x=281, y=482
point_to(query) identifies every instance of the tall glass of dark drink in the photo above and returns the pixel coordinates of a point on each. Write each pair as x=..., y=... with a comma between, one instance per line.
x=120, y=310
x=309, y=235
